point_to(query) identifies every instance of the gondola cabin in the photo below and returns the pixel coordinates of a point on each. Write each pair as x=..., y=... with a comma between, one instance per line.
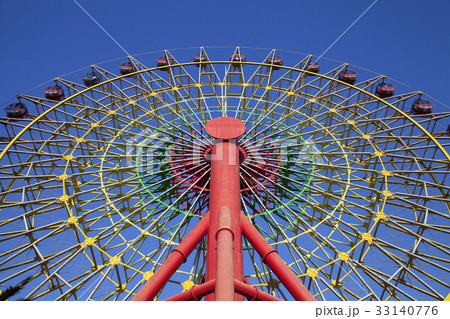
x=54, y=92
x=421, y=106
x=348, y=76
x=127, y=68
x=385, y=89
x=275, y=61
x=237, y=58
x=200, y=58
x=16, y=110
x=164, y=61
x=312, y=66
x=91, y=78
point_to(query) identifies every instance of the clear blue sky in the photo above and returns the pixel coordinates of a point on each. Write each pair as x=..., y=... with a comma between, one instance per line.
x=407, y=40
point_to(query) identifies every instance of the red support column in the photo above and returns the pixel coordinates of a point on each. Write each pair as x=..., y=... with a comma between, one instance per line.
x=171, y=264
x=224, y=263
x=273, y=260
x=225, y=194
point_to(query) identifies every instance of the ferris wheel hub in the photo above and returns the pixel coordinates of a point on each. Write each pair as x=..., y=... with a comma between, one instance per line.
x=225, y=128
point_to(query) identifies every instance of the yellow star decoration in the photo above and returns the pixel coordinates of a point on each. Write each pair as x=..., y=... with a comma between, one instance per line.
x=147, y=275
x=244, y=84
x=88, y=242
x=380, y=217
x=112, y=112
x=268, y=87
x=290, y=93
x=132, y=102
x=312, y=100
x=153, y=94
x=333, y=110
x=344, y=256
x=79, y=140
x=311, y=272
x=63, y=177
x=64, y=198
x=387, y=193
x=350, y=122
x=68, y=157
x=72, y=220
x=367, y=237
x=385, y=173
x=114, y=260
x=175, y=88
x=366, y=137
x=188, y=284
x=379, y=154
x=94, y=125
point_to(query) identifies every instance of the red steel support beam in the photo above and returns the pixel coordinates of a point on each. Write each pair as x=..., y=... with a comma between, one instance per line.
x=253, y=293
x=224, y=263
x=225, y=194
x=195, y=293
x=178, y=256
x=273, y=260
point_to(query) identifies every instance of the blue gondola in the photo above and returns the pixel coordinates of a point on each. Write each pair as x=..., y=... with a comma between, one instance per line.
x=238, y=57
x=91, y=78
x=127, y=68
x=348, y=76
x=312, y=66
x=385, y=89
x=421, y=106
x=54, y=92
x=164, y=61
x=200, y=58
x=275, y=61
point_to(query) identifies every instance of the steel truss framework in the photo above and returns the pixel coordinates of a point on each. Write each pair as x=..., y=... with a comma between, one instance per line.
x=349, y=188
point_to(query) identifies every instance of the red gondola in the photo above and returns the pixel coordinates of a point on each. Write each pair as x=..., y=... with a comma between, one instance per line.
x=348, y=76
x=237, y=58
x=54, y=92
x=421, y=106
x=16, y=110
x=164, y=61
x=200, y=58
x=275, y=61
x=385, y=89
x=312, y=66
x=127, y=68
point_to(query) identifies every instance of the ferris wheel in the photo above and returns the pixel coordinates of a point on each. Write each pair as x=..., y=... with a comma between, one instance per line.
x=342, y=173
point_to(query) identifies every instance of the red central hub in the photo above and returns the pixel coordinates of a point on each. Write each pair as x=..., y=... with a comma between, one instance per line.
x=225, y=128
x=190, y=163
